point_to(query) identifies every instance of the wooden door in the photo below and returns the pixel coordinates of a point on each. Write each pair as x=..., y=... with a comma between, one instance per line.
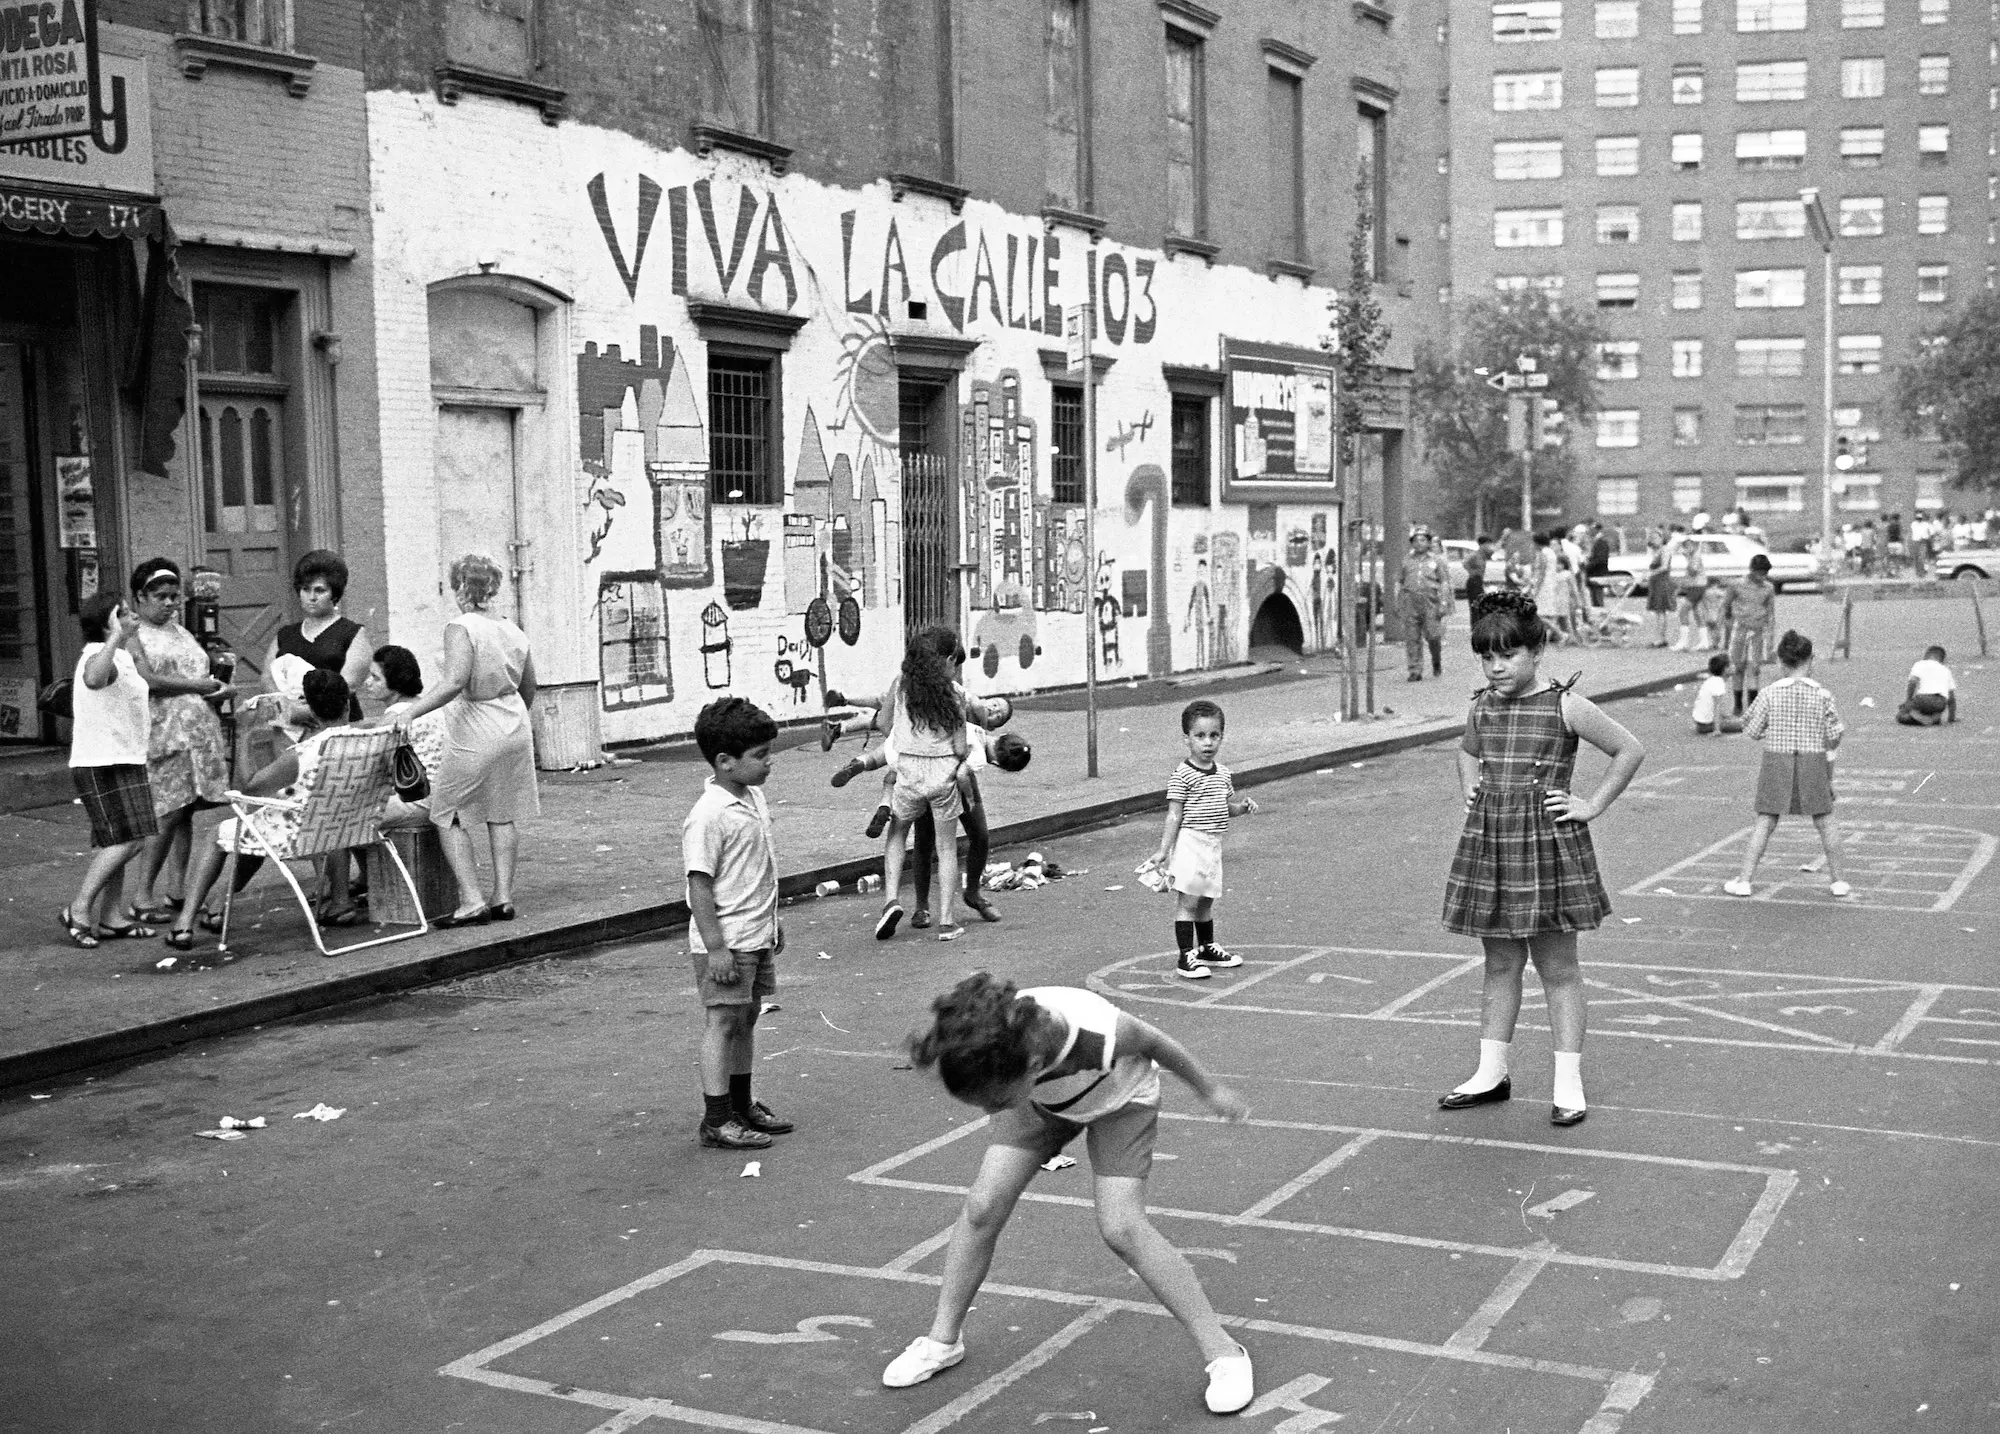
x=475, y=478
x=23, y=598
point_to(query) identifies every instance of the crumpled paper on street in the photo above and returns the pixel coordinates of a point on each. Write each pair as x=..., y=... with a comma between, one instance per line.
x=321, y=1111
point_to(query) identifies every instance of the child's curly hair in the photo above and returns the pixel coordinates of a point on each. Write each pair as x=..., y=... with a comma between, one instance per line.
x=1506, y=620
x=928, y=694
x=981, y=1036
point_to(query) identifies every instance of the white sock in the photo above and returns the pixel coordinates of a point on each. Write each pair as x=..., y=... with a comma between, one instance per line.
x=1569, y=1080
x=1492, y=1068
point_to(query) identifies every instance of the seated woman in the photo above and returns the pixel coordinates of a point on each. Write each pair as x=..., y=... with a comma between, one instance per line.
x=397, y=678
x=291, y=779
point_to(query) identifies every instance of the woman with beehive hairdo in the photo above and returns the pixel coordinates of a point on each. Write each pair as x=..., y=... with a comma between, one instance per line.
x=1524, y=879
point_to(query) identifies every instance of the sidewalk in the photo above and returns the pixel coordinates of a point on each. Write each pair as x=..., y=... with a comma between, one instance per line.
x=603, y=861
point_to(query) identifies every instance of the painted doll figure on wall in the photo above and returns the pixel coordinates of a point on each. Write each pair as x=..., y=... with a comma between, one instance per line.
x=1200, y=613
x=1107, y=614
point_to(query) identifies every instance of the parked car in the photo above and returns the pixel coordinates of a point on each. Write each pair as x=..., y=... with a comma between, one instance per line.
x=1968, y=563
x=1458, y=552
x=1727, y=556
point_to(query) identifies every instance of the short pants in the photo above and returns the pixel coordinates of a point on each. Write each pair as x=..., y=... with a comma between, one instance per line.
x=1749, y=650
x=756, y=978
x=1195, y=868
x=1931, y=704
x=1120, y=1144
x=925, y=784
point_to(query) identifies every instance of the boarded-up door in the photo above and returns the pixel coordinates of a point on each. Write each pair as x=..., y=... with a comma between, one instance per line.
x=475, y=479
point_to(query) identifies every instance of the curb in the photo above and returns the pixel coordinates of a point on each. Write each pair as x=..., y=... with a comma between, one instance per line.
x=662, y=917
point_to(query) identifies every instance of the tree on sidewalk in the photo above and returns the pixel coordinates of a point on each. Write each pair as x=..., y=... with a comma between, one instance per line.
x=1464, y=422
x=1952, y=390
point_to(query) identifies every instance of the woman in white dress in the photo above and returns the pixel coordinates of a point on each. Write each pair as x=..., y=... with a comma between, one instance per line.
x=487, y=770
x=1554, y=586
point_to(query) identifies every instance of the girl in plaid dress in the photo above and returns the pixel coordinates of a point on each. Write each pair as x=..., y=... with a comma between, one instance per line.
x=1795, y=717
x=1524, y=879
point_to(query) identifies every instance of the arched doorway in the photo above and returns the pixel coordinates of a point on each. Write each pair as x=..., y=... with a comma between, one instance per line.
x=1276, y=625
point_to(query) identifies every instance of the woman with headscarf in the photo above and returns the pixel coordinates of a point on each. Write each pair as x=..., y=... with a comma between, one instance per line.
x=486, y=772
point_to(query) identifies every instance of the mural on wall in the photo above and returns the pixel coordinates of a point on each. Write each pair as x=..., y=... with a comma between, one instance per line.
x=632, y=636
x=716, y=648
x=1199, y=621
x=746, y=554
x=1128, y=434
x=1147, y=484
x=1006, y=532
x=1106, y=606
x=1226, y=581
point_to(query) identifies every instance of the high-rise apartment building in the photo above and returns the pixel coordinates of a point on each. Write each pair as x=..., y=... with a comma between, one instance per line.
x=1644, y=159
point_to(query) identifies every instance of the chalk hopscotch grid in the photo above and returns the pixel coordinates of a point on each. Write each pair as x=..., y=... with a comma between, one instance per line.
x=1893, y=866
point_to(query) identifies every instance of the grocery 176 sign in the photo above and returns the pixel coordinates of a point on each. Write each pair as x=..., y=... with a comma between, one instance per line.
x=48, y=70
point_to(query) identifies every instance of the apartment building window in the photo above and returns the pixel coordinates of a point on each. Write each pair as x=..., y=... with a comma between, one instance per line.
x=1687, y=221
x=1686, y=290
x=1618, y=360
x=1687, y=428
x=1618, y=89
x=1687, y=358
x=1864, y=77
x=1769, y=423
x=1617, y=156
x=497, y=36
x=1934, y=12
x=1617, y=291
x=1770, y=219
x=1770, y=288
x=1861, y=148
x=741, y=394
x=736, y=63
x=1859, y=353
x=1687, y=151
x=1754, y=16
x=1860, y=492
x=1858, y=422
x=1771, y=493
x=1618, y=428
x=1861, y=14
x=1763, y=81
x=1686, y=492
x=1066, y=439
x=1371, y=136
x=269, y=22
x=1066, y=130
x=1617, y=19
x=1617, y=497
x=1528, y=159
x=1771, y=148
x=1770, y=358
x=1687, y=17
x=1933, y=144
x=1618, y=224
x=1524, y=21
x=1187, y=135
x=1860, y=284
x=1933, y=283
x=1933, y=74
x=1190, y=450
x=1284, y=139
x=1933, y=213
x=1527, y=90
x=1550, y=284
x=1527, y=228
x=1930, y=491
x=1861, y=217
x=1687, y=84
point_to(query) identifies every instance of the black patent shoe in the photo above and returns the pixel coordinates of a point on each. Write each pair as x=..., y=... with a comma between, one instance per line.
x=761, y=1117
x=1500, y=1092
x=1563, y=1115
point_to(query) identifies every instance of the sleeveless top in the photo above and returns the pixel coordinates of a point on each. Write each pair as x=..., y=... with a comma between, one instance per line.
x=327, y=652
x=1102, y=1079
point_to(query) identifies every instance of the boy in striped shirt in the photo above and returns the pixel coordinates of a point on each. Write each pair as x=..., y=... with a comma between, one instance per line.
x=1201, y=798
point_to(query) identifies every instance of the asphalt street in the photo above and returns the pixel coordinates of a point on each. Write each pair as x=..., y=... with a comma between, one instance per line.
x=1775, y=1220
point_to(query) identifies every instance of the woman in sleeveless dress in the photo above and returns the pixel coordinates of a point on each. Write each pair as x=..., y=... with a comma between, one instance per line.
x=487, y=769
x=323, y=637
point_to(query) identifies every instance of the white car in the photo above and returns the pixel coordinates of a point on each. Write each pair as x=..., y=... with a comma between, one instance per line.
x=1968, y=563
x=1458, y=552
x=1727, y=556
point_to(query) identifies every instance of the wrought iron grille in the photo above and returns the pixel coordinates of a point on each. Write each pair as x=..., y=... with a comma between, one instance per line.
x=930, y=543
x=1190, y=439
x=739, y=431
x=1066, y=428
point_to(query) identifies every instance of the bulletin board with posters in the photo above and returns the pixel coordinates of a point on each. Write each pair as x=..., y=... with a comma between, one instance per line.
x=1280, y=403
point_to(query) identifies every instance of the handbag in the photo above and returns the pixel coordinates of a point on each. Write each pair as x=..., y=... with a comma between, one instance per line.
x=58, y=699
x=406, y=770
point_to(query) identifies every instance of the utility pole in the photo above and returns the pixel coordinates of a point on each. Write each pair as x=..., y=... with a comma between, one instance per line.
x=1076, y=330
x=1822, y=232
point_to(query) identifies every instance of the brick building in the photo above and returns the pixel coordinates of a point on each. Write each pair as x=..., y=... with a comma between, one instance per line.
x=737, y=327
x=179, y=288
x=1645, y=158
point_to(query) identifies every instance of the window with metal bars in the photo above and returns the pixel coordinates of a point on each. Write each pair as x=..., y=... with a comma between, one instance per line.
x=1190, y=450
x=739, y=430
x=1066, y=433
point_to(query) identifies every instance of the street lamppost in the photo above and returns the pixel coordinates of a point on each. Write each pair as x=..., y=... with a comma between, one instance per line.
x=1822, y=233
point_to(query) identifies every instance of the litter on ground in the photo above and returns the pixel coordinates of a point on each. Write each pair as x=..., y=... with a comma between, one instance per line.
x=322, y=1111
x=1059, y=1162
x=221, y=1135
x=753, y=1171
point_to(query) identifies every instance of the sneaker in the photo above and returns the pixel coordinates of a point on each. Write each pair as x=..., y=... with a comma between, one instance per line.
x=849, y=770
x=1841, y=888
x=920, y=1361
x=1231, y=1382
x=888, y=921
x=1736, y=886
x=1214, y=955
x=761, y=1117
x=920, y=918
x=732, y=1134
x=950, y=932
x=878, y=823
x=1192, y=969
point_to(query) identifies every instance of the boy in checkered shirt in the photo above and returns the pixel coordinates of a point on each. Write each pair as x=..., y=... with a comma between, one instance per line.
x=1801, y=730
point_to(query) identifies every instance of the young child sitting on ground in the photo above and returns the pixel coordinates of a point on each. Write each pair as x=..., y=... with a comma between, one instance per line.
x=1932, y=696
x=1708, y=697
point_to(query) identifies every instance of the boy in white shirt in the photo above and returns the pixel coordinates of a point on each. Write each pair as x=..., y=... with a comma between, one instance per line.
x=1708, y=697
x=1932, y=696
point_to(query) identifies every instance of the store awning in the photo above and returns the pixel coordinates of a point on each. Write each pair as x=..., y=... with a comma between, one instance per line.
x=48, y=209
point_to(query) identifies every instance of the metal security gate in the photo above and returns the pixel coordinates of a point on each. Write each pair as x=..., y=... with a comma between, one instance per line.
x=930, y=543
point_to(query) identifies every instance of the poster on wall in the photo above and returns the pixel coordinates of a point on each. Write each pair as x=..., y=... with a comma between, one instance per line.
x=1280, y=422
x=47, y=65
x=76, y=502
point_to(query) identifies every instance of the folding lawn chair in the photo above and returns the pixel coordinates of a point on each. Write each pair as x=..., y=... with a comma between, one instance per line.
x=344, y=810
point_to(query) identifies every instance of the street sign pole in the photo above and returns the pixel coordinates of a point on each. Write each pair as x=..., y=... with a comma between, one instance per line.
x=1076, y=329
